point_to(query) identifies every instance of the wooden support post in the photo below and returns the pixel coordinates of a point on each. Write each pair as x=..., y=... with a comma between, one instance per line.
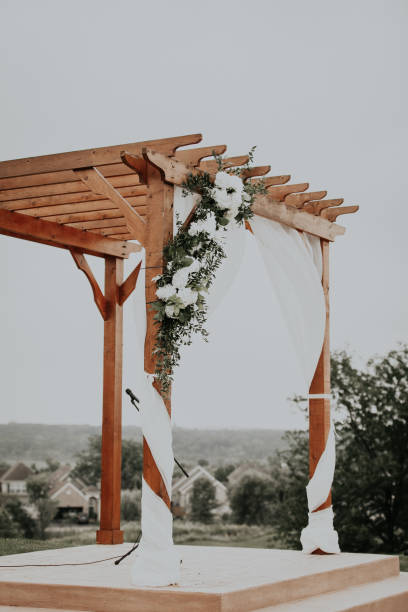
x=159, y=229
x=109, y=531
x=319, y=409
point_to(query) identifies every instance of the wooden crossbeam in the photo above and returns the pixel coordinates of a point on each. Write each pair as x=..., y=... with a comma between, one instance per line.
x=54, y=234
x=211, y=166
x=331, y=214
x=279, y=193
x=84, y=211
x=315, y=207
x=138, y=164
x=256, y=171
x=270, y=181
x=83, y=265
x=127, y=287
x=97, y=183
x=93, y=215
x=91, y=157
x=193, y=157
x=265, y=206
x=298, y=199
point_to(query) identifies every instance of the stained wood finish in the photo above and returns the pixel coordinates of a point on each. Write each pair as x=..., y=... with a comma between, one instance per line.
x=109, y=530
x=256, y=171
x=127, y=287
x=99, y=298
x=270, y=181
x=193, y=157
x=315, y=207
x=159, y=230
x=298, y=199
x=91, y=157
x=265, y=206
x=211, y=166
x=332, y=213
x=319, y=409
x=279, y=193
x=97, y=183
x=45, y=232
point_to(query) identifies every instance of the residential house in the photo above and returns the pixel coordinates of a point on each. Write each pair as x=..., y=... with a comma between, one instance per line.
x=72, y=494
x=183, y=488
x=245, y=470
x=13, y=480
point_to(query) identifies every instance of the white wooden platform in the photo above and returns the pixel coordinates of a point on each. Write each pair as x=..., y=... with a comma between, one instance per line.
x=213, y=580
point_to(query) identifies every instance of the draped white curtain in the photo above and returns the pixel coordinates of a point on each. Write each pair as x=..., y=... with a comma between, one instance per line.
x=294, y=266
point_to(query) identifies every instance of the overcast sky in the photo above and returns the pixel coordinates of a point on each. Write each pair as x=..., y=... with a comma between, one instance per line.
x=320, y=87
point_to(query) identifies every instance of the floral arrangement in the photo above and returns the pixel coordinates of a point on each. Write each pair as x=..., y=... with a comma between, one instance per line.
x=192, y=258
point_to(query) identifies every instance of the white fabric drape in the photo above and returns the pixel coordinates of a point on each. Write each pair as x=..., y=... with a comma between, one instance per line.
x=294, y=264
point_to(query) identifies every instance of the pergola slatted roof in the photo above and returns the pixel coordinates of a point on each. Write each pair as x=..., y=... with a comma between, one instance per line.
x=97, y=192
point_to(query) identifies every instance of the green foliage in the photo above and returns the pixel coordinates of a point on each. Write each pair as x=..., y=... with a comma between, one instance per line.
x=178, y=321
x=370, y=489
x=223, y=471
x=38, y=488
x=251, y=501
x=8, y=528
x=20, y=517
x=130, y=505
x=88, y=465
x=203, y=501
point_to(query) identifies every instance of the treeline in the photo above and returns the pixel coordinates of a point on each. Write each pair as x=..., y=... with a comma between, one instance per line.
x=30, y=442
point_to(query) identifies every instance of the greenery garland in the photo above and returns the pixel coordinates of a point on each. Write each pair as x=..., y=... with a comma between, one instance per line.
x=192, y=258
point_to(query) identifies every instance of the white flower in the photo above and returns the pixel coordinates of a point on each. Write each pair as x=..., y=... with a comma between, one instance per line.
x=187, y=296
x=166, y=292
x=246, y=197
x=223, y=180
x=180, y=278
x=231, y=213
x=156, y=278
x=170, y=311
x=207, y=225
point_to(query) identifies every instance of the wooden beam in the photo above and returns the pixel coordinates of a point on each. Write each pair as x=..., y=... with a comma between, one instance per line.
x=47, y=232
x=171, y=170
x=85, y=212
x=137, y=164
x=319, y=408
x=315, y=206
x=332, y=213
x=265, y=206
x=83, y=265
x=91, y=157
x=211, y=166
x=159, y=231
x=109, y=529
x=97, y=183
x=193, y=157
x=279, y=193
x=69, y=198
x=127, y=287
x=298, y=199
x=256, y=171
x=270, y=181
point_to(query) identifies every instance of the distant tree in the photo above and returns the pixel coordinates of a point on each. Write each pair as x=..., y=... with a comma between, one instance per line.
x=202, y=462
x=38, y=488
x=203, y=501
x=223, y=471
x=88, y=465
x=370, y=489
x=20, y=516
x=130, y=505
x=251, y=501
x=8, y=528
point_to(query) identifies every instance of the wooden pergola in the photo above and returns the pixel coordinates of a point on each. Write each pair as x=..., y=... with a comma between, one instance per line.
x=96, y=202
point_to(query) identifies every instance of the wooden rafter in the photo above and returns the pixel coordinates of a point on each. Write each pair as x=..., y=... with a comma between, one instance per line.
x=97, y=183
x=83, y=265
x=46, y=232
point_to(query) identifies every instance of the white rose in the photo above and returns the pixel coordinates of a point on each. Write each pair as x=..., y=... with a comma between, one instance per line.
x=166, y=292
x=222, y=180
x=187, y=296
x=246, y=197
x=231, y=213
x=180, y=278
x=236, y=183
x=169, y=310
